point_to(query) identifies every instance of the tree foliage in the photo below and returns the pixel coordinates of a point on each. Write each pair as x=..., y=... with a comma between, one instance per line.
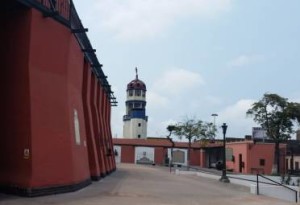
x=276, y=115
x=192, y=129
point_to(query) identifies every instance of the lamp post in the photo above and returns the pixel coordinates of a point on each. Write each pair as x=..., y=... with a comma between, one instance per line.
x=224, y=178
x=214, y=115
x=171, y=128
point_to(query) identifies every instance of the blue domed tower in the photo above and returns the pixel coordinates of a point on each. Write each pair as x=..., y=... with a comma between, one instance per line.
x=135, y=120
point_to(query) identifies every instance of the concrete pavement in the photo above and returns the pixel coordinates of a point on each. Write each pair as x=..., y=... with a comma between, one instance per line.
x=150, y=185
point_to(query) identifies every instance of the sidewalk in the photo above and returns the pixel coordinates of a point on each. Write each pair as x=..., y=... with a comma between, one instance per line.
x=150, y=185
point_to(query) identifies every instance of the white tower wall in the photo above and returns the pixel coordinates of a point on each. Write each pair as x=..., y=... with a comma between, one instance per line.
x=135, y=128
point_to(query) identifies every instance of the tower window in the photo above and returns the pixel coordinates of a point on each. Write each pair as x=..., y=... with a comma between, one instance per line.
x=130, y=93
x=137, y=105
x=139, y=124
x=143, y=93
x=139, y=136
x=138, y=92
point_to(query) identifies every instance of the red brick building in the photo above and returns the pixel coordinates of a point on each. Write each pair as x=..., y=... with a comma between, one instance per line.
x=55, y=101
x=159, y=149
x=244, y=156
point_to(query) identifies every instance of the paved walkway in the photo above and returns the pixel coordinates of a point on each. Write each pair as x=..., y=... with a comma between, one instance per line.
x=147, y=185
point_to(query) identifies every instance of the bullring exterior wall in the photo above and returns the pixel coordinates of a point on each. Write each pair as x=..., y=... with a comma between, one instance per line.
x=55, y=114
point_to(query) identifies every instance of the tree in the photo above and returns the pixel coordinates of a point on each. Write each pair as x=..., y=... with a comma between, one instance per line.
x=192, y=129
x=277, y=116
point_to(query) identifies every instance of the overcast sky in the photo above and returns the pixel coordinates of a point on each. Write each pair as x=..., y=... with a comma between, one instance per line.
x=197, y=57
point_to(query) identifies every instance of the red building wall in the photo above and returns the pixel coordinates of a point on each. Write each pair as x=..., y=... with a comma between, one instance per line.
x=239, y=149
x=49, y=95
x=202, y=159
x=127, y=154
x=96, y=125
x=259, y=152
x=105, y=111
x=195, y=157
x=55, y=93
x=91, y=144
x=251, y=155
x=103, y=133
x=15, y=98
x=159, y=155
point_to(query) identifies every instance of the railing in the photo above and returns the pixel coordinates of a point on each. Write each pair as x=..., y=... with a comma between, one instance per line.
x=126, y=117
x=64, y=11
x=274, y=183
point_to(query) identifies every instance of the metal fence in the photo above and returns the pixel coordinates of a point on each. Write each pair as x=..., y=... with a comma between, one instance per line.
x=275, y=184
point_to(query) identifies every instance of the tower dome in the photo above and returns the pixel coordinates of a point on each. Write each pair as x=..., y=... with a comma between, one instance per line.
x=136, y=84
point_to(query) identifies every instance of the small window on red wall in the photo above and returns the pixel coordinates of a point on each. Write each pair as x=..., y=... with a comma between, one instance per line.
x=262, y=162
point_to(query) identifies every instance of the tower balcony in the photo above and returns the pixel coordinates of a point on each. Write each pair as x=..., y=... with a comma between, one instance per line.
x=129, y=117
x=126, y=117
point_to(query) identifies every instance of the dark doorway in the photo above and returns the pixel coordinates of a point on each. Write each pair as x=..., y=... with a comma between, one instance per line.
x=240, y=162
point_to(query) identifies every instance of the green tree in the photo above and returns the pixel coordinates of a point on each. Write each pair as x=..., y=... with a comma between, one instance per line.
x=277, y=116
x=192, y=129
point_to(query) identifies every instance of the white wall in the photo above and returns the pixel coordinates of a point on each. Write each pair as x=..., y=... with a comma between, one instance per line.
x=144, y=151
x=132, y=130
x=118, y=157
x=185, y=155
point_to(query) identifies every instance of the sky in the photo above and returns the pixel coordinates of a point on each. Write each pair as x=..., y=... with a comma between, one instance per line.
x=197, y=57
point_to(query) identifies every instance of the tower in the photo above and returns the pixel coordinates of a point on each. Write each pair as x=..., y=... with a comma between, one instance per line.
x=135, y=120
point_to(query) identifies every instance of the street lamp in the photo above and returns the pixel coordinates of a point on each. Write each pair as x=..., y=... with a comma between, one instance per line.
x=214, y=115
x=224, y=178
x=171, y=128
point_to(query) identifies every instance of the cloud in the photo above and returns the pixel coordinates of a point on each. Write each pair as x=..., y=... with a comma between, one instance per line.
x=159, y=128
x=244, y=60
x=117, y=124
x=176, y=81
x=136, y=19
x=155, y=100
x=234, y=115
x=213, y=100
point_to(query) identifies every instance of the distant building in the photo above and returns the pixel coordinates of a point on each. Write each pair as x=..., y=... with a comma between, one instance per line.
x=247, y=156
x=293, y=156
x=135, y=120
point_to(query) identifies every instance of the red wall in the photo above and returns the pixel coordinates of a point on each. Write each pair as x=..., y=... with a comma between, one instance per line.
x=127, y=154
x=96, y=124
x=261, y=151
x=195, y=157
x=44, y=79
x=91, y=144
x=55, y=92
x=102, y=132
x=15, y=98
x=159, y=155
x=251, y=155
x=238, y=148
